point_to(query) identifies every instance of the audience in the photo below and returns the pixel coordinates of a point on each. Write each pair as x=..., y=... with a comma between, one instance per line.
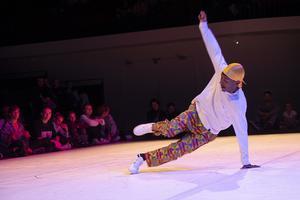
x=13, y=134
x=171, y=111
x=94, y=127
x=62, y=140
x=110, y=126
x=44, y=133
x=268, y=113
x=289, y=118
x=155, y=114
x=77, y=132
x=54, y=135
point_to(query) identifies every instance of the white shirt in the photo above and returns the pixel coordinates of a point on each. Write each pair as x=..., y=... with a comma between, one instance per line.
x=92, y=122
x=218, y=110
x=89, y=121
x=292, y=115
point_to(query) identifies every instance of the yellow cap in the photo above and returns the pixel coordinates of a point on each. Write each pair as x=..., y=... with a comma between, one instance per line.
x=236, y=72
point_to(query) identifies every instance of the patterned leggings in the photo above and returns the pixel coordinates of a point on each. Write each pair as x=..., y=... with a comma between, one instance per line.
x=196, y=135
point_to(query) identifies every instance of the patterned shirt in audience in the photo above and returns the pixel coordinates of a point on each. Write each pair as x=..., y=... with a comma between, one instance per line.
x=7, y=129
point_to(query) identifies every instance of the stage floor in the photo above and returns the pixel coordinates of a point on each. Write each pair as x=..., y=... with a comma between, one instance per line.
x=212, y=172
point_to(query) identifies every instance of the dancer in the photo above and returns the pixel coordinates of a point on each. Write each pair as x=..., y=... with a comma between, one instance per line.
x=221, y=104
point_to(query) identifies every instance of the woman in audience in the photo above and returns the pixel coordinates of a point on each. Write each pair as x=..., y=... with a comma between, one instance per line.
x=13, y=134
x=110, y=128
x=93, y=127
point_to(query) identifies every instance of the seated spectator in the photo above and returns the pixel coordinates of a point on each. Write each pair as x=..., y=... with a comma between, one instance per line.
x=155, y=114
x=62, y=140
x=267, y=116
x=171, y=111
x=77, y=133
x=44, y=133
x=93, y=127
x=13, y=134
x=289, y=117
x=110, y=128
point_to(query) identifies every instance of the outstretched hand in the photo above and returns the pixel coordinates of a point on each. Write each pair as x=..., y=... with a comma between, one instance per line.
x=202, y=16
x=249, y=166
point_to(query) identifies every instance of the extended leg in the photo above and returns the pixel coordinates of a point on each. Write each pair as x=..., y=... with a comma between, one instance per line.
x=187, y=144
x=186, y=121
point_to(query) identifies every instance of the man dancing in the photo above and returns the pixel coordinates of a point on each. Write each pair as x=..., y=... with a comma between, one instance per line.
x=221, y=104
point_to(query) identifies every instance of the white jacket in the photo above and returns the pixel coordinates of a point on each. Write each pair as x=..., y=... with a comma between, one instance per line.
x=218, y=110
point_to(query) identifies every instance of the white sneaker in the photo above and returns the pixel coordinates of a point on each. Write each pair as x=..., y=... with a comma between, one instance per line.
x=134, y=167
x=143, y=129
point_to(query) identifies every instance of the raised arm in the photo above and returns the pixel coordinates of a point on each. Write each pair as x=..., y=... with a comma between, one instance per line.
x=211, y=44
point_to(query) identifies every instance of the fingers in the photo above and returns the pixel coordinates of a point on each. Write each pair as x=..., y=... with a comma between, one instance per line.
x=202, y=16
x=202, y=13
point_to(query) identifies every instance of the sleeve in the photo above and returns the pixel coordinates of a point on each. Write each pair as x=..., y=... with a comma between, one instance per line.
x=213, y=48
x=241, y=131
x=89, y=121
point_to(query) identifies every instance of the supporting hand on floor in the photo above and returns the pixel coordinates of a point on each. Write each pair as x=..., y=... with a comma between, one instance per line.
x=249, y=166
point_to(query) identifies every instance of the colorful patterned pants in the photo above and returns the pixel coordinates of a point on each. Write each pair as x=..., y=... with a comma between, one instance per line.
x=195, y=136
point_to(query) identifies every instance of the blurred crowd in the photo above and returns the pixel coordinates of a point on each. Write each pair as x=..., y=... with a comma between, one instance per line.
x=57, y=121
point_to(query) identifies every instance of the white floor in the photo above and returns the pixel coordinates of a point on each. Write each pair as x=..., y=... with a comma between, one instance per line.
x=211, y=172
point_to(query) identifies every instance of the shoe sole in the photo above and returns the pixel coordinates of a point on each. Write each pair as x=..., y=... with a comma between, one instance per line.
x=135, y=130
x=141, y=127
